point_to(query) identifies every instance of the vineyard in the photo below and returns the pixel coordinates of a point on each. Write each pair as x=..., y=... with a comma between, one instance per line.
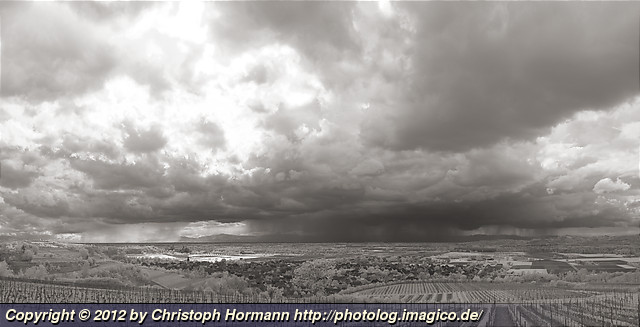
x=13, y=290
x=523, y=304
x=471, y=293
x=509, y=304
x=615, y=309
x=16, y=291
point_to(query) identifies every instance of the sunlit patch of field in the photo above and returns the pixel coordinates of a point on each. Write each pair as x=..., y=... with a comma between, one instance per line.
x=167, y=279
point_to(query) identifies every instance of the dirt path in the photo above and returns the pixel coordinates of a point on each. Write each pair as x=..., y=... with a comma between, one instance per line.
x=503, y=318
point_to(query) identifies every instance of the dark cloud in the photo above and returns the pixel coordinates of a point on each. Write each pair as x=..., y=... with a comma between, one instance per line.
x=74, y=144
x=483, y=72
x=212, y=135
x=317, y=29
x=16, y=176
x=495, y=168
x=49, y=52
x=144, y=140
x=56, y=209
x=323, y=33
x=444, y=221
x=114, y=176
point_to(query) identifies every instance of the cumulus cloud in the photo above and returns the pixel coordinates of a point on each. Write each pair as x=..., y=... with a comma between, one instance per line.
x=606, y=185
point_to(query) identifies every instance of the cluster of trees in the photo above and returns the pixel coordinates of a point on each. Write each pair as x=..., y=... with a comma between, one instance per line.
x=17, y=260
x=23, y=252
x=585, y=276
x=16, y=255
x=323, y=277
x=259, y=275
x=118, y=275
x=579, y=276
x=183, y=249
x=34, y=272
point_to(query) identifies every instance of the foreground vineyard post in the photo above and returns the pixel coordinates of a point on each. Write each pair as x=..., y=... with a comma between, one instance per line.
x=611, y=313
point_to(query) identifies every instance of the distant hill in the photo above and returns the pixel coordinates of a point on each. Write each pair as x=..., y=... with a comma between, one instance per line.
x=228, y=238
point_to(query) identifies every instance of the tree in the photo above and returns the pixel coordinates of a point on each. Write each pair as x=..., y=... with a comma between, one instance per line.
x=228, y=284
x=5, y=271
x=273, y=293
x=314, y=276
x=84, y=254
x=36, y=272
x=27, y=255
x=85, y=269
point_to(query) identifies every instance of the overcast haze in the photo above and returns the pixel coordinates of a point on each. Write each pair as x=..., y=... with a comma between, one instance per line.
x=320, y=121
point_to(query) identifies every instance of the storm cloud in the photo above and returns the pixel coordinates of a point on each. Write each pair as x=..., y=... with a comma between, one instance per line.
x=313, y=121
x=482, y=73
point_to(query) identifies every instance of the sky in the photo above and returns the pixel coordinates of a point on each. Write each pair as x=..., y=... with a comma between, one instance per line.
x=318, y=121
